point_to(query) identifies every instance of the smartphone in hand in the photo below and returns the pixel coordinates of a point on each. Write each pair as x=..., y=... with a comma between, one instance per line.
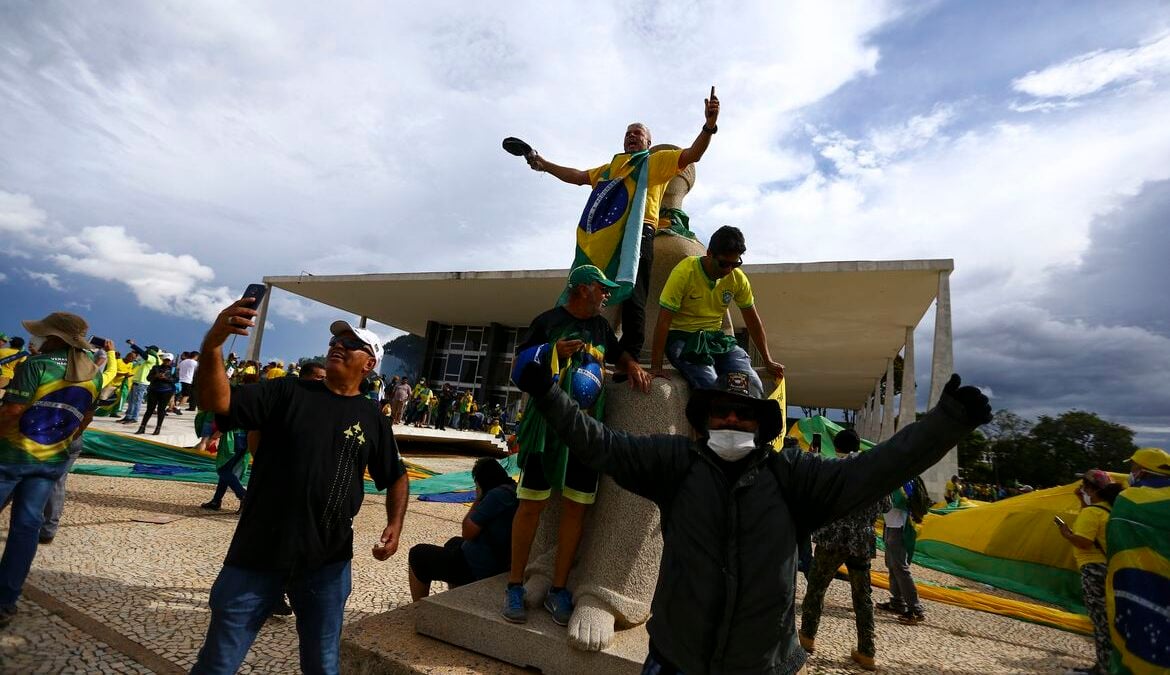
x=256, y=292
x=98, y=342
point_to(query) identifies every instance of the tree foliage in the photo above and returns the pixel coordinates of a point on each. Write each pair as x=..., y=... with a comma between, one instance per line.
x=1050, y=452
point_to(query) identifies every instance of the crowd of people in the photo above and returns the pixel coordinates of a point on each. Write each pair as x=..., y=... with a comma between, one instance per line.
x=448, y=407
x=725, y=596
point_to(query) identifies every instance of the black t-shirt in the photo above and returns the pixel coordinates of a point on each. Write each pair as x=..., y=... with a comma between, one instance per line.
x=307, y=478
x=558, y=324
x=161, y=379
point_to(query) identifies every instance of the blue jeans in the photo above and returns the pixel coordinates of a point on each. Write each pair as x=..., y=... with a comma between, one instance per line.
x=709, y=377
x=242, y=599
x=29, y=486
x=228, y=477
x=137, y=397
x=56, y=502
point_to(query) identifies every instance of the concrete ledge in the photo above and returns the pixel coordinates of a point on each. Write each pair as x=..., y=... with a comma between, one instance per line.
x=469, y=617
x=386, y=644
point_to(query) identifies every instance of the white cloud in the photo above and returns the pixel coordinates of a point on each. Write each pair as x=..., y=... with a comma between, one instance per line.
x=19, y=215
x=1089, y=73
x=47, y=278
x=173, y=284
x=3, y=277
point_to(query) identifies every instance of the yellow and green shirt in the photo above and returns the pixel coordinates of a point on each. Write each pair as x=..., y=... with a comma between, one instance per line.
x=1090, y=524
x=9, y=369
x=698, y=301
x=663, y=166
x=55, y=411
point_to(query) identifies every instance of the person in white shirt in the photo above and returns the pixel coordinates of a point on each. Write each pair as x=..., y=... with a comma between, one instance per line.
x=187, y=367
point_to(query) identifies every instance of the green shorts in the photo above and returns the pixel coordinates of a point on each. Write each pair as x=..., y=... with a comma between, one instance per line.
x=580, y=480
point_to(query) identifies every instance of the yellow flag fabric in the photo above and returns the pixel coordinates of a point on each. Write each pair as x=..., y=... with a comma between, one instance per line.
x=780, y=395
x=1011, y=544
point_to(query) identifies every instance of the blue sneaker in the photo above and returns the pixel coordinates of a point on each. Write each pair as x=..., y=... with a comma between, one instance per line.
x=559, y=603
x=514, y=605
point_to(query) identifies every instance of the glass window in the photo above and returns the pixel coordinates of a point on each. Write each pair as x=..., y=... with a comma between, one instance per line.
x=470, y=369
x=454, y=364
x=458, y=337
x=474, y=339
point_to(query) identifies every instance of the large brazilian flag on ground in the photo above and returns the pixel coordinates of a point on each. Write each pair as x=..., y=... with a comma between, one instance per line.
x=1137, y=585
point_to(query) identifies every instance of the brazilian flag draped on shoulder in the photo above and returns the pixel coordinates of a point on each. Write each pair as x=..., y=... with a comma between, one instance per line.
x=609, y=234
x=1137, y=584
x=533, y=434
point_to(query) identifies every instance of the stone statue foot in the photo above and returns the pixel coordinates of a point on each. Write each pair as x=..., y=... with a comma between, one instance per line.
x=591, y=627
x=535, y=589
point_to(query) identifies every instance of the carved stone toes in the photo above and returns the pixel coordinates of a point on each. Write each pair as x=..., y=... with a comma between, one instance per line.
x=591, y=628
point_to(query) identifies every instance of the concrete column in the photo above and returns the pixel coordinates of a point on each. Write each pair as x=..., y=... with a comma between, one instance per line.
x=888, y=405
x=257, y=337
x=943, y=360
x=909, y=390
x=875, y=422
x=432, y=339
x=942, y=365
x=859, y=424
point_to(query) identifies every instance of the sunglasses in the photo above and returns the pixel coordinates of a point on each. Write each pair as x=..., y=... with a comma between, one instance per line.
x=728, y=264
x=350, y=344
x=724, y=408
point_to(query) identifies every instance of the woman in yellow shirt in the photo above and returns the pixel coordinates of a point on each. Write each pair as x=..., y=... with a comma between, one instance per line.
x=1087, y=535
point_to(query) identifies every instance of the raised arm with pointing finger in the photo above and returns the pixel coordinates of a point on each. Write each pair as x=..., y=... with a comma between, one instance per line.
x=627, y=192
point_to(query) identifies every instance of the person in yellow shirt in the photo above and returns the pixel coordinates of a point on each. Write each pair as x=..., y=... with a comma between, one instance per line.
x=602, y=230
x=1097, y=492
x=689, y=331
x=12, y=354
x=276, y=371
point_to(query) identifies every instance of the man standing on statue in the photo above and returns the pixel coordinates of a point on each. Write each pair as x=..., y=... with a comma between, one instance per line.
x=571, y=340
x=690, y=319
x=628, y=188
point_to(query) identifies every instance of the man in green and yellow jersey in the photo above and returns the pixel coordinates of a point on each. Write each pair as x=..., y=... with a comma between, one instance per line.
x=616, y=229
x=48, y=404
x=690, y=319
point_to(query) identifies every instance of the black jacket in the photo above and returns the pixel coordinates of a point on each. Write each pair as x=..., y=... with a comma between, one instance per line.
x=725, y=600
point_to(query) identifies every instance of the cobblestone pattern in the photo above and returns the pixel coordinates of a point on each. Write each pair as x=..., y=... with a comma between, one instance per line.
x=56, y=646
x=150, y=583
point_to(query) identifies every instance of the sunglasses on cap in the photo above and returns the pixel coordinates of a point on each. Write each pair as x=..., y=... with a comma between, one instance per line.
x=350, y=344
x=728, y=264
x=742, y=412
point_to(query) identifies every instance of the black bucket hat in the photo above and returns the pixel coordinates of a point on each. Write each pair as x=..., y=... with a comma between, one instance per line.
x=768, y=413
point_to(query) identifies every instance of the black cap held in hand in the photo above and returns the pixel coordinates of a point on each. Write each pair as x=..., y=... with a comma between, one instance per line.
x=975, y=404
x=535, y=379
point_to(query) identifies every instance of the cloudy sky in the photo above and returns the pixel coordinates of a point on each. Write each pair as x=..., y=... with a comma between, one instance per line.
x=156, y=157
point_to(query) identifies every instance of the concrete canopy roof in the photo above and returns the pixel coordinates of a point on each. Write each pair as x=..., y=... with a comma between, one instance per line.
x=833, y=324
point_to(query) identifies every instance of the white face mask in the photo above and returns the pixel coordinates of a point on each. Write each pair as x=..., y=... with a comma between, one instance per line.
x=731, y=445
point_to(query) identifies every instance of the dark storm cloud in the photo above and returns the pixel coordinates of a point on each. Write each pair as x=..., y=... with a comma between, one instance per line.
x=1124, y=276
x=1098, y=339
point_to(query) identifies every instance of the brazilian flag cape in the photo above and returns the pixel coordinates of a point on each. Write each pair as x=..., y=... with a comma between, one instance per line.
x=533, y=434
x=1137, y=584
x=609, y=234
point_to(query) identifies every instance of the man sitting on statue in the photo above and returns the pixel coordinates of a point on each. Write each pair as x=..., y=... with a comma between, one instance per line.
x=732, y=509
x=572, y=341
x=627, y=190
x=690, y=319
